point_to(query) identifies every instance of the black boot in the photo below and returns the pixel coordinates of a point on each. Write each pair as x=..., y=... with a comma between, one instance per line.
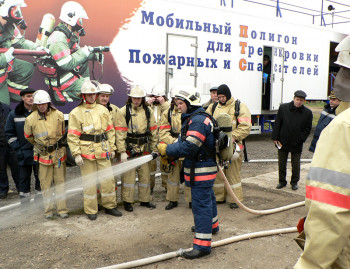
x=233, y=206
x=194, y=254
x=171, y=205
x=128, y=207
x=148, y=205
x=114, y=212
x=92, y=216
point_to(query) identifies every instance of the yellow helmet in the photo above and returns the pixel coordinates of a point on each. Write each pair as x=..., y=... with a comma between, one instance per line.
x=137, y=92
x=189, y=94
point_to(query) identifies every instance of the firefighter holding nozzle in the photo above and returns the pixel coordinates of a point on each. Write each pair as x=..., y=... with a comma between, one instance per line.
x=91, y=139
x=197, y=145
x=68, y=68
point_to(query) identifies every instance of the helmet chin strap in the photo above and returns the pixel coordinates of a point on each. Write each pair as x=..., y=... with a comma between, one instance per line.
x=86, y=101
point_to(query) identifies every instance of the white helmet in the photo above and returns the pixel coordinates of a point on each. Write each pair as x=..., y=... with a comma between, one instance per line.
x=190, y=95
x=7, y=4
x=236, y=153
x=173, y=92
x=137, y=92
x=41, y=97
x=344, y=52
x=90, y=87
x=71, y=12
x=158, y=90
x=106, y=89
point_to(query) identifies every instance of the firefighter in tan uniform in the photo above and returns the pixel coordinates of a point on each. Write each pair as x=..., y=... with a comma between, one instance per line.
x=169, y=131
x=104, y=93
x=159, y=103
x=240, y=131
x=136, y=132
x=327, y=225
x=44, y=128
x=91, y=139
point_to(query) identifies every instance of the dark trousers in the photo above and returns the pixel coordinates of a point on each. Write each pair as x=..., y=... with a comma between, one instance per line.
x=205, y=216
x=25, y=179
x=282, y=167
x=8, y=157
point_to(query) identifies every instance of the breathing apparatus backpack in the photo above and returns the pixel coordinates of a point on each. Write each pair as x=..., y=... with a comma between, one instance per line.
x=222, y=130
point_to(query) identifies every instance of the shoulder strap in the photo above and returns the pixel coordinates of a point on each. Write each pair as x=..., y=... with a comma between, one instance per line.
x=214, y=107
x=169, y=114
x=127, y=114
x=237, y=109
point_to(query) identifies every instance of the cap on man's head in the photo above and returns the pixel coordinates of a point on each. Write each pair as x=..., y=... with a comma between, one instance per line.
x=301, y=94
x=332, y=95
x=225, y=90
x=28, y=90
x=215, y=88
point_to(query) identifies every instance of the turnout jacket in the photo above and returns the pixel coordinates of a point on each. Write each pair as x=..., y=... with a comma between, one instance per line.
x=327, y=115
x=44, y=132
x=158, y=111
x=240, y=131
x=198, y=146
x=94, y=120
x=292, y=127
x=170, y=131
x=138, y=126
x=14, y=132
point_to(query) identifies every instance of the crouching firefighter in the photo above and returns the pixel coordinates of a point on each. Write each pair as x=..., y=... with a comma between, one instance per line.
x=44, y=128
x=197, y=145
x=91, y=139
x=136, y=132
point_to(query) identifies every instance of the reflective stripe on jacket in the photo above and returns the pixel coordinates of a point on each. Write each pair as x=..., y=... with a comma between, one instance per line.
x=91, y=119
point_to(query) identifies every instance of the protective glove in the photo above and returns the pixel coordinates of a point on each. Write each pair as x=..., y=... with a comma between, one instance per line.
x=164, y=160
x=111, y=155
x=43, y=48
x=87, y=50
x=162, y=149
x=79, y=160
x=9, y=54
x=123, y=157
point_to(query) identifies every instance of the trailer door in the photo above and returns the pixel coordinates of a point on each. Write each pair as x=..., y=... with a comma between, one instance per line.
x=181, y=61
x=277, y=77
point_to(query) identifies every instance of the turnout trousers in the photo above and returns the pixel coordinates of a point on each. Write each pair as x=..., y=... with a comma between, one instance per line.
x=97, y=174
x=330, y=223
x=129, y=181
x=233, y=175
x=52, y=180
x=205, y=217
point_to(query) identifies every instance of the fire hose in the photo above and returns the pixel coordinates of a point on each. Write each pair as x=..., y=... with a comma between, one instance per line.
x=44, y=53
x=222, y=242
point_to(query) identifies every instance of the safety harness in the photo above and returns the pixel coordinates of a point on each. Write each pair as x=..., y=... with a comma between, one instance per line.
x=136, y=138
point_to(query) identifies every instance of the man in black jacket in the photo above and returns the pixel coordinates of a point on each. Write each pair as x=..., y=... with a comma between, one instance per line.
x=292, y=126
x=7, y=156
x=14, y=131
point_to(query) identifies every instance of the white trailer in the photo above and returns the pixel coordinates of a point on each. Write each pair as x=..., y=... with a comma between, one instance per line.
x=205, y=43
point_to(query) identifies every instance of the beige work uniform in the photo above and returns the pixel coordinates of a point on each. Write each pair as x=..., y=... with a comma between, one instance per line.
x=44, y=132
x=158, y=111
x=137, y=125
x=167, y=137
x=233, y=173
x=327, y=225
x=93, y=120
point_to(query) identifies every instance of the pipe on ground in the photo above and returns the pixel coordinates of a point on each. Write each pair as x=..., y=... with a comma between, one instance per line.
x=219, y=243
